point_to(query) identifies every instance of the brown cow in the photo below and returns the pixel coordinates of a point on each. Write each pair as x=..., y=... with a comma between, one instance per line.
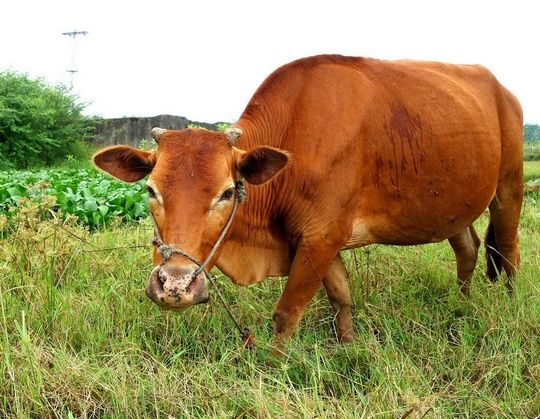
x=337, y=152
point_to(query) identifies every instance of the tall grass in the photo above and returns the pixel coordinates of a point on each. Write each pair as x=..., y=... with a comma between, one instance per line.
x=531, y=170
x=78, y=337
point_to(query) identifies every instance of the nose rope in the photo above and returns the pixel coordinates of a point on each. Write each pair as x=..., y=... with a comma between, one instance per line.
x=166, y=251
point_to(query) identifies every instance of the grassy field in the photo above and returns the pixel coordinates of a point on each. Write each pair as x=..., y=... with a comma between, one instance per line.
x=531, y=170
x=78, y=337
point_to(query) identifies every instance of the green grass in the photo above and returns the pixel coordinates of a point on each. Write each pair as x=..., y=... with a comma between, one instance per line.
x=531, y=170
x=78, y=337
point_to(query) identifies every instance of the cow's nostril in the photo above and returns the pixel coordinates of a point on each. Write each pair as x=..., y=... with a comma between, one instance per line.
x=161, y=278
x=203, y=300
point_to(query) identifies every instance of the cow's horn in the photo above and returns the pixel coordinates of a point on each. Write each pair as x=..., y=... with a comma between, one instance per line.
x=156, y=133
x=232, y=134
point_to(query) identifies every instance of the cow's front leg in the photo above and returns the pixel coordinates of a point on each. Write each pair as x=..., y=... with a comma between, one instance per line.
x=308, y=268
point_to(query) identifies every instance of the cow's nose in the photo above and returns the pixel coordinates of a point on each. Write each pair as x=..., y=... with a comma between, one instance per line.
x=176, y=282
x=176, y=288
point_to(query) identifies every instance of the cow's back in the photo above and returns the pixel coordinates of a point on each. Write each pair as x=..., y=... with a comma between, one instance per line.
x=405, y=151
x=400, y=152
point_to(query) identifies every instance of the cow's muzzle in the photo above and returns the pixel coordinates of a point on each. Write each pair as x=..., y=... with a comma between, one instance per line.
x=176, y=288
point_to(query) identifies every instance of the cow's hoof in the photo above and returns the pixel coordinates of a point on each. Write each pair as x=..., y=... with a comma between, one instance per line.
x=346, y=337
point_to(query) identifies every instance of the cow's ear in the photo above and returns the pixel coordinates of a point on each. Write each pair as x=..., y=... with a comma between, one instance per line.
x=125, y=163
x=261, y=164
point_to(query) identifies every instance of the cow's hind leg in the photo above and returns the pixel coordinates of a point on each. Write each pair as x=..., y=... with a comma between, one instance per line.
x=465, y=245
x=337, y=288
x=502, y=249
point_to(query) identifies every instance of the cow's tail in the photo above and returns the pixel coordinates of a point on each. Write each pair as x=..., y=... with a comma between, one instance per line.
x=493, y=255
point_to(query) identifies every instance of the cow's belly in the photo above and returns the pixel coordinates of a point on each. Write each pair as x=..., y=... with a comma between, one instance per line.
x=385, y=231
x=406, y=201
x=426, y=219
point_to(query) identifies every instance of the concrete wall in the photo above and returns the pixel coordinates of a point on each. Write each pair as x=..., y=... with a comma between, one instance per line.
x=131, y=130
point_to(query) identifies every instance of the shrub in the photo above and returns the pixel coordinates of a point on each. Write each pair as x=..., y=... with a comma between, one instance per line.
x=531, y=150
x=39, y=124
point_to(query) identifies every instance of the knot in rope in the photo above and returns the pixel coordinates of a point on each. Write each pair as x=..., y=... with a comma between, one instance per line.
x=165, y=252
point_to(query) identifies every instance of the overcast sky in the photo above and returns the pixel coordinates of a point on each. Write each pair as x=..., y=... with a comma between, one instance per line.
x=204, y=59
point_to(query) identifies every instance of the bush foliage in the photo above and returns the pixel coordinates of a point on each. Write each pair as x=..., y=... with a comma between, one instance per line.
x=39, y=124
x=531, y=132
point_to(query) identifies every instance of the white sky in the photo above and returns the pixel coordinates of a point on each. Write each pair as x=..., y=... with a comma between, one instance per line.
x=204, y=59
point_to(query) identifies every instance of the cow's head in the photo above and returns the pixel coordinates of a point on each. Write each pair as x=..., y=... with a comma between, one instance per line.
x=191, y=185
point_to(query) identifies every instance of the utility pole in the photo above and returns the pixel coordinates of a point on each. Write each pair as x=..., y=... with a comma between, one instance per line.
x=73, y=69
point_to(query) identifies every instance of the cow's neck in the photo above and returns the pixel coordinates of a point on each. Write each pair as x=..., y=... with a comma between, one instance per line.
x=257, y=246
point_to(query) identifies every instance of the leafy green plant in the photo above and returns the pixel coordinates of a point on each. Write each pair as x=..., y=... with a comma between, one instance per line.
x=147, y=144
x=531, y=132
x=222, y=126
x=192, y=125
x=94, y=198
x=531, y=150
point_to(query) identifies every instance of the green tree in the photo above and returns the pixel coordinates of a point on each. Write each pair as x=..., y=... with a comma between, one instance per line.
x=531, y=132
x=39, y=124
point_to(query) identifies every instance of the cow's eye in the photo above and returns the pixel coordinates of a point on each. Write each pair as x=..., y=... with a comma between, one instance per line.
x=227, y=194
x=151, y=192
